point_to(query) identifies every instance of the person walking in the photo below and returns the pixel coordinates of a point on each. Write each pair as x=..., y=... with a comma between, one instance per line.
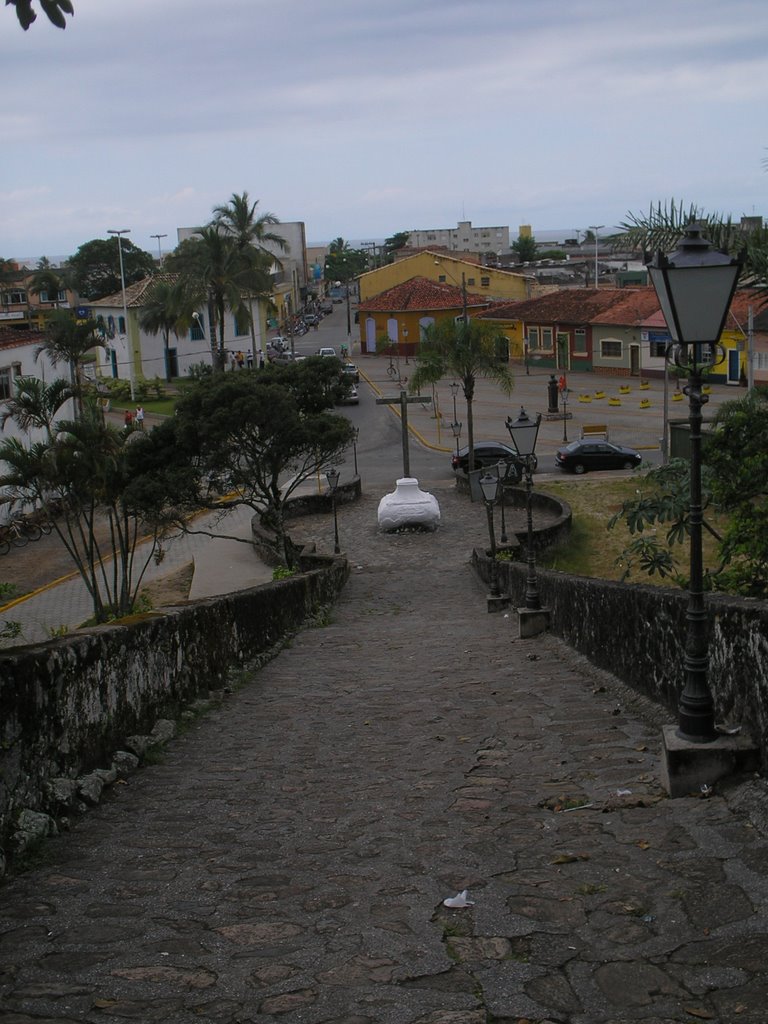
x=139, y=417
x=128, y=419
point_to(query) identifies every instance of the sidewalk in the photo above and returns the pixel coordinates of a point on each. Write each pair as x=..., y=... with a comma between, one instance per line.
x=289, y=858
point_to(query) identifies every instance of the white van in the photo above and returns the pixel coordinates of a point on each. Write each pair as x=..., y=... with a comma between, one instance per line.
x=326, y=351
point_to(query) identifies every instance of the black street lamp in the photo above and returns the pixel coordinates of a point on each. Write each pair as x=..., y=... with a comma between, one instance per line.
x=456, y=428
x=695, y=285
x=503, y=470
x=489, y=486
x=564, y=400
x=332, y=476
x=524, y=432
x=355, y=436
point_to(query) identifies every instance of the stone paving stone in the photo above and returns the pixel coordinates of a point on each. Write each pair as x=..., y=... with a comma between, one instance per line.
x=289, y=857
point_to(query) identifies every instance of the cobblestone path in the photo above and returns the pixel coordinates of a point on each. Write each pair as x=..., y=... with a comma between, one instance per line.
x=288, y=858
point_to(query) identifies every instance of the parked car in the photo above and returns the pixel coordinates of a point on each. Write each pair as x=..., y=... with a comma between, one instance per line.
x=487, y=453
x=326, y=308
x=351, y=397
x=350, y=372
x=580, y=456
x=328, y=351
x=310, y=319
x=284, y=358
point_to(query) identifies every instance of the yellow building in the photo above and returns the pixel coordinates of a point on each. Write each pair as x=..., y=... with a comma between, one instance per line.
x=496, y=285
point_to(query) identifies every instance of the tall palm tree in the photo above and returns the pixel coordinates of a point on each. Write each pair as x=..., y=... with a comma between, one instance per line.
x=46, y=279
x=36, y=404
x=464, y=350
x=68, y=340
x=167, y=308
x=220, y=275
x=238, y=217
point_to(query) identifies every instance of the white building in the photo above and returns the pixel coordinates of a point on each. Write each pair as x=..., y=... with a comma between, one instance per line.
x=463, y=238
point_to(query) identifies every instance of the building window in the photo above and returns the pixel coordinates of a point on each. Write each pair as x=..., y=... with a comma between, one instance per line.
x=485, y=282
x=657, y=349
x=16, y=298
x=196, y=331
x=580, y=340
x=546, y=339
x=241, y=326
x=610, y=349
x=441, y=278
x=533, y=338
x=471, y=282
x=6, y=389
x=121, y=325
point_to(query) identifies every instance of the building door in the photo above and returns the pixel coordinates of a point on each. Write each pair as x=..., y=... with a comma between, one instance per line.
x=173, y=362
x=113, y=360
x=634, y=360
x=734, y=366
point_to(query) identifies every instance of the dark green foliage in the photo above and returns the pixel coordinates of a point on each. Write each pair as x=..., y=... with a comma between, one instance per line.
x=258, y=435
x=95, y=267
x=54, y=10
x=734, y=484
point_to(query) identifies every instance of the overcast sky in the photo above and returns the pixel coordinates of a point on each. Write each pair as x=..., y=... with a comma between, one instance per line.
x=366, y=117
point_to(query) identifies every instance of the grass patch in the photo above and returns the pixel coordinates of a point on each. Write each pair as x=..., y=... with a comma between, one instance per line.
x=160, y=406
x=592, y=549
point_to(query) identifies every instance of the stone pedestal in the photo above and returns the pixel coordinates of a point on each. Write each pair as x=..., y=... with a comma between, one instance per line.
x=497, y=603
x=531, y=622
x=686, y=766
x=407, y=505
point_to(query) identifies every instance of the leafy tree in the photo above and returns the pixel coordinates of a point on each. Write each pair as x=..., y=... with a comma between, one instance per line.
x=525, y=248
x=95, y=267
x=734, y=485
x=167, y=308
x=258, y=435
x=343, y=262
x=736, y=452
x=397, y=241
x=220, y=274
x=464, y=350
x=105, y=491
x=55, y=11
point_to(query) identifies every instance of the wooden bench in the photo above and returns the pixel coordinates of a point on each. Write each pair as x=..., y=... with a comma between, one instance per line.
x=594, y=430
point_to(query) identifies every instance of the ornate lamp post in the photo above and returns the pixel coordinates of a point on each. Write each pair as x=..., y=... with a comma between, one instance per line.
x=332, y=476
x=695, y=285
x=524, y=432
x=489, y=486
x=355, y=436
x=564, y=398
x=503, y=470
x=119, y=234
x=455, y=426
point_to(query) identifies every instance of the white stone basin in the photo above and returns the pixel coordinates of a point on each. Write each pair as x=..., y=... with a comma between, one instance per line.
x=407, y=505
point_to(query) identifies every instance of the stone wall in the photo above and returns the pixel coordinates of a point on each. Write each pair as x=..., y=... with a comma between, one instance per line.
x=67, y=705
x=637, y=632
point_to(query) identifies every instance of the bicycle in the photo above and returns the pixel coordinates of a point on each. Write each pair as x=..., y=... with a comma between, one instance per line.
x=18, y=533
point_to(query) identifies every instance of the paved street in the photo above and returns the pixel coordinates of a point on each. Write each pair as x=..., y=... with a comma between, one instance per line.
x=289, y=857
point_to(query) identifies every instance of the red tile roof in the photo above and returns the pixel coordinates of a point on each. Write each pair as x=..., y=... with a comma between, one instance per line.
x=419, y=294
x=135, y=294
x=567, y=306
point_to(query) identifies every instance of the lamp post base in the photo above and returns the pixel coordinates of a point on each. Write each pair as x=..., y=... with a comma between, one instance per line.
x=532, y=621
x=497, y=602
x=686, y=767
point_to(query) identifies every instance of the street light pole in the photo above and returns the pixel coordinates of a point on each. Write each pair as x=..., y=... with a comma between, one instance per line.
x=489, y=486
x=159, y=250
x=695, y=285
x=332, y=476
x=125, y=231
x=596, y=228
x=564, y=398
x=524, y=432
